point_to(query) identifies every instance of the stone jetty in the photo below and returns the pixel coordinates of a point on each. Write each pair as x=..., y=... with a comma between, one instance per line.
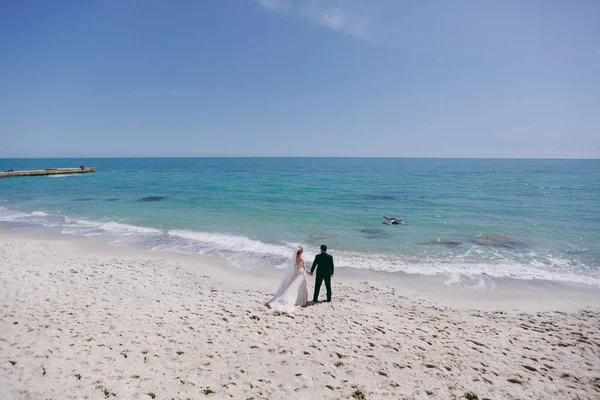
x=48, y=171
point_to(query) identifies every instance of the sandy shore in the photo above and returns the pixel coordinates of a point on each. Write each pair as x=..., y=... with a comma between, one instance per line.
x=83, y=320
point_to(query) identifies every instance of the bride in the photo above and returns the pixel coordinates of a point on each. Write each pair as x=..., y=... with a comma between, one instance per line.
x=293, y=291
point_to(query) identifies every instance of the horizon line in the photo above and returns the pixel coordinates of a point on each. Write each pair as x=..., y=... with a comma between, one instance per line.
x=308, y=157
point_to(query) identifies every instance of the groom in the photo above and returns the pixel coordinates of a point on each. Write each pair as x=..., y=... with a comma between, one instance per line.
x=324, y=272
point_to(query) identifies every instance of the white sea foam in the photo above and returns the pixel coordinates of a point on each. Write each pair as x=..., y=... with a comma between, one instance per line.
x=453, y=279
x=473, y=284
x=94, y=228
x=233, y=243
x=126, y=229
x=471, y=269
x=8, y=215
x=464, y=267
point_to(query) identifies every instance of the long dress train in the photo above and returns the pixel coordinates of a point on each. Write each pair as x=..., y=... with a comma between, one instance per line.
x=294, y=295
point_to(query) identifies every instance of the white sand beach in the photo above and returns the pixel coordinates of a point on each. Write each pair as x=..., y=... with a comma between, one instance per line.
x=83, y=320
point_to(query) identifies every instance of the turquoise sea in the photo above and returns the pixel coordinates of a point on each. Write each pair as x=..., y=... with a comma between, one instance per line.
x=517, y=218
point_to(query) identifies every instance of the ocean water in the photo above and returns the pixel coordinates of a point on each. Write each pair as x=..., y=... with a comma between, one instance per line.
x=467, y=218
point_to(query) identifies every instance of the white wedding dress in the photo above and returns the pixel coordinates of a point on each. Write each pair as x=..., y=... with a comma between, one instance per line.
x=293, y=291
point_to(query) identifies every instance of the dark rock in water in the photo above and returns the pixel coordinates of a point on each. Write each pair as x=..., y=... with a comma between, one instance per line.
x=83, y=199
x=498, y=241
x=318, y=237
x=443, y=241
x=151, y=198
x=371, y=233
x=111, y=199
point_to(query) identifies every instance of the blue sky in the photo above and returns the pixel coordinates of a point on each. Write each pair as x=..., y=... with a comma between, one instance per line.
x=300, y=78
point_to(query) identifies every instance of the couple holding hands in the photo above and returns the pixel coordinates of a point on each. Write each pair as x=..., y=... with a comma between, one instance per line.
x=293, y=290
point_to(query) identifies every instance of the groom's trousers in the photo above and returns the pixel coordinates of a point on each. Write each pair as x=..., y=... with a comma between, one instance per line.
x=318, y=282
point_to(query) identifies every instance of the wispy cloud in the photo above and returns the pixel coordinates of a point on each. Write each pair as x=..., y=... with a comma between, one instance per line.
x=179, y=93
x=270, y=4
x=342, y=16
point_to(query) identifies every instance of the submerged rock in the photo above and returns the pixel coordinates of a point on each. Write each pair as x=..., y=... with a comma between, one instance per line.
x=371, y=233
x=318, y=237
x=498, y=241
x=151, y=198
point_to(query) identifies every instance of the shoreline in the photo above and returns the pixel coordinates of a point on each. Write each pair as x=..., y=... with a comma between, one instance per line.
x=81, y=319
x=478, y=292
x=460, y=264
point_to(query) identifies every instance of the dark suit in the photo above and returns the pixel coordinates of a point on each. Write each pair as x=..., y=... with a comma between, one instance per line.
x=324, y=273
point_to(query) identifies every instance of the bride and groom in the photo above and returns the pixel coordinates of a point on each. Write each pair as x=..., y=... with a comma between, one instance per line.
x=293, y=291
